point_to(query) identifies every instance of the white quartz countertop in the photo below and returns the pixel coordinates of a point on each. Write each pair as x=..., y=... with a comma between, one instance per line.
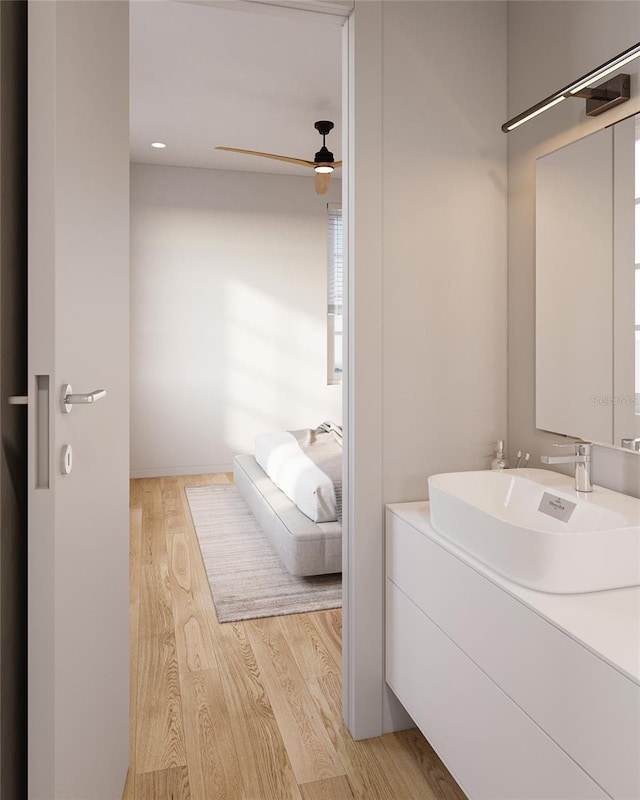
x=607, y=623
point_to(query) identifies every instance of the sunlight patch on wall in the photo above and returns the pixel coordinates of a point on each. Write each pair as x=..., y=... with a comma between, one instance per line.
x=274, y=363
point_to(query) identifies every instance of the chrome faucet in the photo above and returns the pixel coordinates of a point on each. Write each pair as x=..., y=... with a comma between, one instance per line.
x=582, y=460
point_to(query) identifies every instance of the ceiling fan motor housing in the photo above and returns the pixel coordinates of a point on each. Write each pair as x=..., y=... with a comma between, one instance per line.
x=323, y=156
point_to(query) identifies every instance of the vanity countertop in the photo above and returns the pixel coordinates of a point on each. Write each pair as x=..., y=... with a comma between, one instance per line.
x=607, y=623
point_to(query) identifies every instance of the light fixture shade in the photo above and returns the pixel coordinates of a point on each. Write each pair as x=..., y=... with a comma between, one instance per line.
x=604, y=100
x=323, y=169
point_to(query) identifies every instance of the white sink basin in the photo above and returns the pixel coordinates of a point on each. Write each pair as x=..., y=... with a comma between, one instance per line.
x=535, y=529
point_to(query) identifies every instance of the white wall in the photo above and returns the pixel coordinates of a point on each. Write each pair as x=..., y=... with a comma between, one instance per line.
x=228, y=314
x=428, y=188
x=444, y=240
x=551, y=44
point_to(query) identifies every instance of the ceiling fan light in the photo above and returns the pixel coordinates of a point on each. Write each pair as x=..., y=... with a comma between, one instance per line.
x=323, y=169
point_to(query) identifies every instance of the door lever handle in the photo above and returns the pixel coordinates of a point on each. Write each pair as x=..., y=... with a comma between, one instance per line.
x=69, y=399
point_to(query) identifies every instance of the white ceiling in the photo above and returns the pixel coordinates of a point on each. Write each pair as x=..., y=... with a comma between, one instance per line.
x=233, y=73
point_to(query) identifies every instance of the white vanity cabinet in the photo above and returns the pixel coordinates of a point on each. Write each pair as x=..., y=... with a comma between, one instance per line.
x=516, y=707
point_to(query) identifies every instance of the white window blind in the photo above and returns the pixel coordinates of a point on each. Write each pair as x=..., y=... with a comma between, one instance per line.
x=335, y=293
x=334, y=260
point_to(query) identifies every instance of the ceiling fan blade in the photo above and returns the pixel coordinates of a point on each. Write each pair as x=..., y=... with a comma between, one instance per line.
x=322, y=182
x=337, y=164
x=300, y=161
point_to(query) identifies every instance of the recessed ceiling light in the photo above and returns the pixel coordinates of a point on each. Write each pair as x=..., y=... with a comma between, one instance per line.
x=159, y=145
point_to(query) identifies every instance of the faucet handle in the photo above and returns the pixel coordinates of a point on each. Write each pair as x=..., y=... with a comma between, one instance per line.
x=580, y=448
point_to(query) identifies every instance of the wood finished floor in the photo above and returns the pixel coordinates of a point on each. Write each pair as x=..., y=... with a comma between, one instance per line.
x=246, y=710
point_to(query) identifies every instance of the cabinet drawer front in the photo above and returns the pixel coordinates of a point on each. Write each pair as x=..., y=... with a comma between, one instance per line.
x=590, y=709
x=490, y=746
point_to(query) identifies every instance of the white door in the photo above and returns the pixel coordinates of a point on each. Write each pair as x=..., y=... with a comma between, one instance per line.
x=78, y=334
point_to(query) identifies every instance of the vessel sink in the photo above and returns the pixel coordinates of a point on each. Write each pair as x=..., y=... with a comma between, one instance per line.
x=532, y=526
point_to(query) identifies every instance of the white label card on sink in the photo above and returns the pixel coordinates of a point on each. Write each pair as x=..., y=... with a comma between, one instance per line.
x=557, y=507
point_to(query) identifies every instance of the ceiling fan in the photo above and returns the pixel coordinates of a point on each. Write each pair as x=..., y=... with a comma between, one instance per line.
x=323, y=163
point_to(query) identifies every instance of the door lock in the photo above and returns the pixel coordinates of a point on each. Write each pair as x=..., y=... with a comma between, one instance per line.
x=66, y=462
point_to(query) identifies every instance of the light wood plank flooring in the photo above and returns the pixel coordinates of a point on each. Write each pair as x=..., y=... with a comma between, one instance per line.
x=248, y=710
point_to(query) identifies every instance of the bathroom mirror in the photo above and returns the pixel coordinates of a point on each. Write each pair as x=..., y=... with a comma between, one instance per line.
x=588, y=287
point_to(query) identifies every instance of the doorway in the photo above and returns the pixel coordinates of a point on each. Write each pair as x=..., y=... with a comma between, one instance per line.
x=213, y=667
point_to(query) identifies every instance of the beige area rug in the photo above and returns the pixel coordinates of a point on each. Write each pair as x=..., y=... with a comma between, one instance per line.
x=246, y=576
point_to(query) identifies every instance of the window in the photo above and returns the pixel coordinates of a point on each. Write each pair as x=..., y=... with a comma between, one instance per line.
x=335, y=293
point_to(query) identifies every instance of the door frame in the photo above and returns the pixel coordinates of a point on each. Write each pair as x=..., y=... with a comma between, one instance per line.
x=13, y=417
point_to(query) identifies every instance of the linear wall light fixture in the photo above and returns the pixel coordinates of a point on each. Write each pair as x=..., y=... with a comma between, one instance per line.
x=601, y=98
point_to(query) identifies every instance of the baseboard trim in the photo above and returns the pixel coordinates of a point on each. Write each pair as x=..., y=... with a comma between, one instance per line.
x=172, y=472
